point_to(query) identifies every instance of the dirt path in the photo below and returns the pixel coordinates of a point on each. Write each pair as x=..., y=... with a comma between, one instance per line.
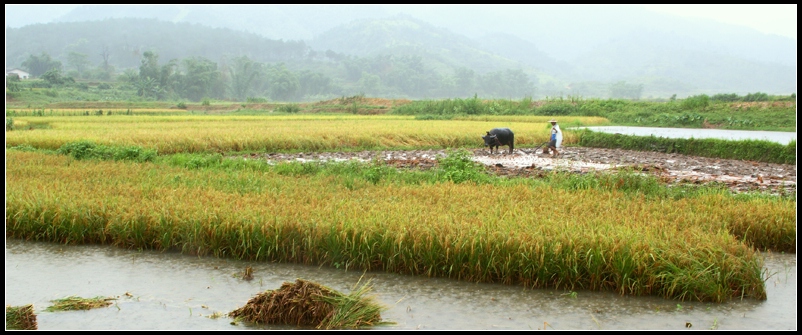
x=673, y=168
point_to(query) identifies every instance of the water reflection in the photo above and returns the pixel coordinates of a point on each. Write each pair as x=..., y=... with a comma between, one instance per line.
x=172, y=292
x=781, y=137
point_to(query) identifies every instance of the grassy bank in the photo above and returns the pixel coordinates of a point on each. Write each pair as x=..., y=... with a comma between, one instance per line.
x=680, y=248
x=752, y=150
x=692, y=112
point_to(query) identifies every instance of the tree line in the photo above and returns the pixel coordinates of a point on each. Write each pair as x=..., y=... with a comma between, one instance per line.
x=242, y=78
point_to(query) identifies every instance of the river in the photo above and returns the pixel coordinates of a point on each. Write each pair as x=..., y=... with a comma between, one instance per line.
x=171, y=291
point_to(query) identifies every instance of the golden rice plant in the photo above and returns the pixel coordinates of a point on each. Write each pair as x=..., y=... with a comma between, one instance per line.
x=193, y=134
x=514, y=234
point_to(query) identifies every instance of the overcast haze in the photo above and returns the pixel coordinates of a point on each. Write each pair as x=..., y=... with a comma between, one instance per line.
x=562, y=49
x=777, y=19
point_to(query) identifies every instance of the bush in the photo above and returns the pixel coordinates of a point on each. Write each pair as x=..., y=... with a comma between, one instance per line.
x=252, y=100
x=457, y=167
x=290, y=109
x=556, y=109
x=89, y=150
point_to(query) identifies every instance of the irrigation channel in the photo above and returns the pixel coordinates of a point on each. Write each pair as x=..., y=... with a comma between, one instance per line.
x=170, y=291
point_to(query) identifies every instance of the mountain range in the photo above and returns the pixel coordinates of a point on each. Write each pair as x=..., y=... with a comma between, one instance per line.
x=561, y=48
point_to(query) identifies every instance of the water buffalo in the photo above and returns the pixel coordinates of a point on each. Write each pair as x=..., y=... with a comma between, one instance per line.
x=497, y=137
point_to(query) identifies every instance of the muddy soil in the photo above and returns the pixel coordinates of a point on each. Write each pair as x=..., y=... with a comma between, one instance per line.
x=739, y=176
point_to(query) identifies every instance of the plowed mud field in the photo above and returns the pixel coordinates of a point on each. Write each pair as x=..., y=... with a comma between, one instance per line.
x=739, y=176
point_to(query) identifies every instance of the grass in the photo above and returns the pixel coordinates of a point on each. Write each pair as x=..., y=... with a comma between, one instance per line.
x=753, y=150
x=74, y=303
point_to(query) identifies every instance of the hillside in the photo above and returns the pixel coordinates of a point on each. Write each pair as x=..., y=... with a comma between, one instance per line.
x=400, y=51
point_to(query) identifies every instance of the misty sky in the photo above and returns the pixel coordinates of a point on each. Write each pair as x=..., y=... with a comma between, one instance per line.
x=771, y=19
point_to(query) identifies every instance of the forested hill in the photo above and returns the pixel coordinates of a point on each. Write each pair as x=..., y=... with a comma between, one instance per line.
x=403, y=56
x=124, y=40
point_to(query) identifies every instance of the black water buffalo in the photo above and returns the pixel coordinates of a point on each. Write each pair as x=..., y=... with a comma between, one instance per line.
x=497, y=137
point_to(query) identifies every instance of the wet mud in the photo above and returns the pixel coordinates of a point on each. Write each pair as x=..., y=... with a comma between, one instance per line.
x=738, y=175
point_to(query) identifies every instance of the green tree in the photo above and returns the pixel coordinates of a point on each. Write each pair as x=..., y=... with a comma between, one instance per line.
x=38, y=65
x=54, y=77
x=146, y=87
x=314, y=83
x=149, y=65
x=626, y=91
x=283, y=84
x=200, y=79
x=78, y=62
x=245, y=74
x=465, y=80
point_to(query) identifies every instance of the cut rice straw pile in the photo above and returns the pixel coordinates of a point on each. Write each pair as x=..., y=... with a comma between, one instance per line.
x=304, y=303
x=77, y=303
x=20, y=318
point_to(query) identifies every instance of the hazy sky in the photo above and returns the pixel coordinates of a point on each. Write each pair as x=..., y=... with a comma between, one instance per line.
x=771, y=19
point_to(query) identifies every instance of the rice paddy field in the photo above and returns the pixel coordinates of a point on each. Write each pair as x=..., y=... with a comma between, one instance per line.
x=510, y=231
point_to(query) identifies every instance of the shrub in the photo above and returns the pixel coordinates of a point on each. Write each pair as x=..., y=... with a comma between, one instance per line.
x=290, y=109
x=458, y=167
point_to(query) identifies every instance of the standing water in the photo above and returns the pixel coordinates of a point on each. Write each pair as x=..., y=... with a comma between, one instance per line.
x=781, y=137
x=170, y=291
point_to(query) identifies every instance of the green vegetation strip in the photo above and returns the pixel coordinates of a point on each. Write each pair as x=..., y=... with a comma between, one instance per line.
x=535, y=235
x=753, y=150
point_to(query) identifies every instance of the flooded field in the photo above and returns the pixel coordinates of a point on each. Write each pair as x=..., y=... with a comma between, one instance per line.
x=170, y=291
x=782, y=137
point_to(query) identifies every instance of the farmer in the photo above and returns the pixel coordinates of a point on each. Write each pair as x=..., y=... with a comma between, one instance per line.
x=556, y=139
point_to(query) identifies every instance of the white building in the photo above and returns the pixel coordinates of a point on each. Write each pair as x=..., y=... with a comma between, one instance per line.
x=22, y=74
